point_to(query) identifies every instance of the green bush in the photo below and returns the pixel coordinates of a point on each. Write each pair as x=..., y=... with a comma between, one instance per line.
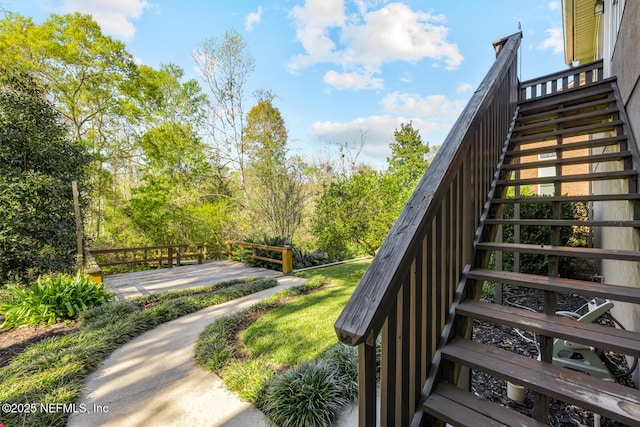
x=344, y=360
x=308, y=395
x=52, y=299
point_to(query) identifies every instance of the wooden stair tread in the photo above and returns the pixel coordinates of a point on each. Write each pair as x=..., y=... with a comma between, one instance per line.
x=456, y=406
x=573, y=131
x=594, y=158
x=541, y=126
x=596, y=253
x=567, y=146
x=610, y=399
x=592, y=334
x=568, y=198
x=523, y=118
x=563, y=222
x=598, y=176
x=557, y=284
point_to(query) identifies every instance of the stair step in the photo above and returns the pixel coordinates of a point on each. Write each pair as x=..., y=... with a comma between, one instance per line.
x=566, y=198
x=561, y=285
x=567, y=251
x=582, y=118
x=592, y=334
x=599, y=176
x=593, y=158
x=561, y=109
x=574, y=131
x=568, y=146
x=606, y=398
x=455, y=406
x=578, y=96
x=562, y=222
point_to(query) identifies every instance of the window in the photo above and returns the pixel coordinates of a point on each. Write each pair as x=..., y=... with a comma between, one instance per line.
x=546, y=189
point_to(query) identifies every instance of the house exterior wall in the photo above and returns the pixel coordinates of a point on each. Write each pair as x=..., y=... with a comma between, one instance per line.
x=625, y=65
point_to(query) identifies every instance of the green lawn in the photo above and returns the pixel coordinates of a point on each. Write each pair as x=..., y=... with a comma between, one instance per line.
x=293, y=326
x=303, y=329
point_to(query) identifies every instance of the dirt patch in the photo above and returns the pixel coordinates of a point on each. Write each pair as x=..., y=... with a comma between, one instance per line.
x=14, y=341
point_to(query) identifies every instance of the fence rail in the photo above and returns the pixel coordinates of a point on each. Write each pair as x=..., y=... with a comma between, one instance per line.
x=585, y=75
x=286, y=253
x=176, y=255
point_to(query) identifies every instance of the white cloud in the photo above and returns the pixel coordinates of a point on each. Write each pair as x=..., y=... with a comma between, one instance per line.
x=113, y=16
x=554, y=41
x=355, y=81
x=554, y=5
x=413, y=105
x=366, y=39
x=377, y=133
x=464, y=88
x=252, y=19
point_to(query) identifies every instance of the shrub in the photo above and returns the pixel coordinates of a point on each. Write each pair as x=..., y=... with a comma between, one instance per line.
x=51, y=299
x=344, y=360
x=306, y=396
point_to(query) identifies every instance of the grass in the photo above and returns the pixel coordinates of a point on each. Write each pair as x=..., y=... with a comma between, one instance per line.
x=247, y=349
x=53, y=370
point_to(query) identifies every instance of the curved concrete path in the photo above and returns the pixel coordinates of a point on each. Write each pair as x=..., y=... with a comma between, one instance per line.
x=153, y=379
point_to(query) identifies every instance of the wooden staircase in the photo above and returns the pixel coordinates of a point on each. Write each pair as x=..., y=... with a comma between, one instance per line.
x=565, y=145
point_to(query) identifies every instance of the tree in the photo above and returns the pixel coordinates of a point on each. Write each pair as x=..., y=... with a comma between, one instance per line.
x=276, y=193
x=350, y=214
x=38, y=163
x=93, y=82
x=408, y=161
x=225, y=65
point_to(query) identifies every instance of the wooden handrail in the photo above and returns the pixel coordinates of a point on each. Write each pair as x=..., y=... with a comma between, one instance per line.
x=407, y=291
x=286, y=260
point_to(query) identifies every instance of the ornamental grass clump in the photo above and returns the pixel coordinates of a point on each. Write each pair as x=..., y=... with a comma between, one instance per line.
x=344, y=360
x=52, y=299
x=308, y=395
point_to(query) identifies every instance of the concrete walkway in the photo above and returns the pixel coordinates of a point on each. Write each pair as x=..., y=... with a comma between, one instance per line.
x=128, y=285
x=153, y=380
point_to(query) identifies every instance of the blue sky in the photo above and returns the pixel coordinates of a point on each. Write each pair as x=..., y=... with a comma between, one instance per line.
x=343, y=70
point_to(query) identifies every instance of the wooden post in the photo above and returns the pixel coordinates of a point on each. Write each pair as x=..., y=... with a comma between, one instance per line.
x=170, y=257
x=76, y=207
x=229, y=250
x=287, y=260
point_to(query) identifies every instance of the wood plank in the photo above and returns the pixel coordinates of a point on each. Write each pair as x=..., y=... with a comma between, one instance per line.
x=592, y=334
x=578, y=130
x=599, y=176
x=556, y=284
x=579, y=198
x=568, y=146
x=454, y=405
x=590, y=159
x=610, y=399
x=564, y=222
x=573, y=95
x=595, y=253
x=589, y=117
x=562, y=109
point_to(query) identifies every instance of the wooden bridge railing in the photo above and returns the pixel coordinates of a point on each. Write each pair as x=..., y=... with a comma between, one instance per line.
x=573, y=78
x=286, y=257
x=406, y=293
x=175, y=255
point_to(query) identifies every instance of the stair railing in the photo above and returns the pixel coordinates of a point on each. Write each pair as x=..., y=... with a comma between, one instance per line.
x=573, y=78
x=407, y=291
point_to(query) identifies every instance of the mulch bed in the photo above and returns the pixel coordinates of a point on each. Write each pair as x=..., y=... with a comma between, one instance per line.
x=14, y=341
x=494, y=389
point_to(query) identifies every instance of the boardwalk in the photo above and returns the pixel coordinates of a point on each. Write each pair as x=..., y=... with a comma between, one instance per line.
x=128, y=285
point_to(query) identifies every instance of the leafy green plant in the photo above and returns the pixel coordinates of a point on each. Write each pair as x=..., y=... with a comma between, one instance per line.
x=52, y=299
x=344, y=360
x=307, y=395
